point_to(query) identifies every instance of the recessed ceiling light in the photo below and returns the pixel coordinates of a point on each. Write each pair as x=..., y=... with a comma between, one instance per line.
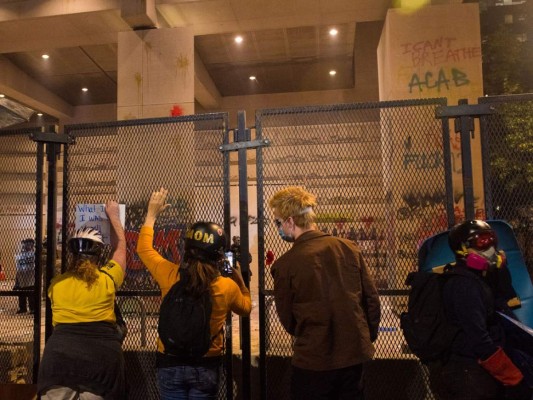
x=2, y=95
x=333, y=32
x=39, y=114
x=333, y=72
x=45, y=56
x=253, y=78
x=238, y=39
x=84, y=89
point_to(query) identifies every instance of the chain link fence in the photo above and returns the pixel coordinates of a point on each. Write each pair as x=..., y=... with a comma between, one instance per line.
x=18, y=161
x=378, y=173
x=127, y=161
x=507, y=137
x=376, y=168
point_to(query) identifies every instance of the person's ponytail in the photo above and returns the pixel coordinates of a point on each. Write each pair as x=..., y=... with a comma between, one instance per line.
x=201, y=274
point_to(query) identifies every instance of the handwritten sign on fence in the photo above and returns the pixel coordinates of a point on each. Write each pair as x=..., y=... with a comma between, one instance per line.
x=94, y=216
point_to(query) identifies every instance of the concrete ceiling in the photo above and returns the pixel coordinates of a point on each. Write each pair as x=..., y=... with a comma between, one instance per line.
x=286, y=45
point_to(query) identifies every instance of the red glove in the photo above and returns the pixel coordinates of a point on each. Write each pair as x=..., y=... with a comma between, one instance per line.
x=500, y=366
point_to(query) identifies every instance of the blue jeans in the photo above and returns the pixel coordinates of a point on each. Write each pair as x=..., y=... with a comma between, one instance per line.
x=185, y=382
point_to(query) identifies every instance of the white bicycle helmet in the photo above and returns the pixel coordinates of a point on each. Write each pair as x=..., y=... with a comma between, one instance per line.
x=86, y=241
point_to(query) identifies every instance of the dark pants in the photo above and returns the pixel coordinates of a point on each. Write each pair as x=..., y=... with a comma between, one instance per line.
x=30, y=298
x=464, y=379
x=84, y=356
x=337, y=384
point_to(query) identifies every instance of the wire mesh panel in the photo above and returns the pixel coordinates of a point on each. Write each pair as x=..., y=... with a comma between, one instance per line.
x=377, y=170
x=18, y=162
x=507, y=137
x=127, y=161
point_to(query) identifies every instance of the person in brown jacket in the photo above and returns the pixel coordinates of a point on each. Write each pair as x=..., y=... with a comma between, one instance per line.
x=326, y=298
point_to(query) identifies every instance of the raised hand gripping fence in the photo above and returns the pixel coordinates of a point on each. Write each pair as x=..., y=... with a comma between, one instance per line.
x=126, y=161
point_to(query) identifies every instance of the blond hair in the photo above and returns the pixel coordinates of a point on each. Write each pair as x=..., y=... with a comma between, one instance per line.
x=297, y=203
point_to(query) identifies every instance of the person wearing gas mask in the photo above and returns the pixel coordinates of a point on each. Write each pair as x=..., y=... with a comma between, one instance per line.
x=83, y=357
x=326, y=298
x=478, y=367
x=205, y=244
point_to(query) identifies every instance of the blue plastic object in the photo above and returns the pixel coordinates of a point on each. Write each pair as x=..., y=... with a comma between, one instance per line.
x=435, y=251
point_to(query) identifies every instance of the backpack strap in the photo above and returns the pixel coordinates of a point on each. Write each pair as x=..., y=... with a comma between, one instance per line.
x=110, y=277
x=121, y=323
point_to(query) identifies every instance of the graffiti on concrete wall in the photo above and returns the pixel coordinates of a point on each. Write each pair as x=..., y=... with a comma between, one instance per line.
x=166, y=242
x=442, y=65
x=252, y=220
x=443, y=79
x=438, y=63
x=421, y=159
x=439, y=51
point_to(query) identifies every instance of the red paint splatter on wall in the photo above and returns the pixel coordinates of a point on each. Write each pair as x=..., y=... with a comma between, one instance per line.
x=176, y=111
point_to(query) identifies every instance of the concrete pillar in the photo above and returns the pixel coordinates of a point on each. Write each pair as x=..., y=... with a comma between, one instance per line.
x=155, y=73
x=428, y=52
x=434, y=51
x=155, y=77
x=139, y=14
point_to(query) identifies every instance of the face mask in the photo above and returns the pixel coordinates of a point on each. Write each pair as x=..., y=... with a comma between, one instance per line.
x=482, y=260
x=490, y=255
x=287, y=238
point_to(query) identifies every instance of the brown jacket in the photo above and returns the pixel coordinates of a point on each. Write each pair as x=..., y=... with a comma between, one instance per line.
x=326, y=298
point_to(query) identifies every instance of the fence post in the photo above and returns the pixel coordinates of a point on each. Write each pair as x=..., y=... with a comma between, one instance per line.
x=464, y=115
x=53, y=143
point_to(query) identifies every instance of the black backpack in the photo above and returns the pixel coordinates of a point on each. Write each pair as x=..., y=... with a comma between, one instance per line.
x=184, y=321
x=425, y=327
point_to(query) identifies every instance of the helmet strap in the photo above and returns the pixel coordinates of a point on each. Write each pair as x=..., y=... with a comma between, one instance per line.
x=463, y=252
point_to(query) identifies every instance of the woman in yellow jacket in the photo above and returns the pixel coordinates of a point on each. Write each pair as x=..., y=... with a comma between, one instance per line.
x=180, y=378
x=83, y=357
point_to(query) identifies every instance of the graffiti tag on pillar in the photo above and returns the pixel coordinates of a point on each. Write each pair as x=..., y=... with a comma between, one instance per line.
x=438, y=51
x=440, y=80
x=421, y=160
x=252, y=220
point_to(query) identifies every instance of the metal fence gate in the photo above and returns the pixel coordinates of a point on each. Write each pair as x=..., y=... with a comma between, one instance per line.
x=377, y=170
x=380, y=171
x=126, y=161
x=382, y=174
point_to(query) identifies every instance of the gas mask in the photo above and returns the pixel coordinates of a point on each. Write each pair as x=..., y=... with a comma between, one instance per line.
x=483, y=260
x=480, y=253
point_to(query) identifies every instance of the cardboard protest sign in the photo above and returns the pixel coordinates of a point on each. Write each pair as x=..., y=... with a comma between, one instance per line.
x=94, y=216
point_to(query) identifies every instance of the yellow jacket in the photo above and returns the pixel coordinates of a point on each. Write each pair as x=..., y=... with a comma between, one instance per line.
x=227, y=296
x=72, y=302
